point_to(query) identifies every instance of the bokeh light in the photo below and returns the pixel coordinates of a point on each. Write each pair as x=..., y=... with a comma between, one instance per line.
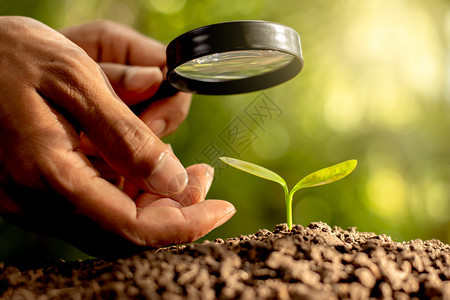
x=375, y=87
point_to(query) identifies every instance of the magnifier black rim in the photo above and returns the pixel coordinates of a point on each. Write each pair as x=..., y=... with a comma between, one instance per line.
x=233, y=36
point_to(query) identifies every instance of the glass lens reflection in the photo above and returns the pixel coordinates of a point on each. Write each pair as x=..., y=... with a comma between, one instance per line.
x=234, y=65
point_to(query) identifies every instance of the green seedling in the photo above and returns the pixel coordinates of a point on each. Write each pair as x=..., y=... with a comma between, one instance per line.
x=321, y=177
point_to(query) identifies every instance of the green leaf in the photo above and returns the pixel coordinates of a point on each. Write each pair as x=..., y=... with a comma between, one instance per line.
x=253, y=169
x=327, y=175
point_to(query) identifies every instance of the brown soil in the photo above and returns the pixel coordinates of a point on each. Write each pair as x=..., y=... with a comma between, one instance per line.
x=315, y=262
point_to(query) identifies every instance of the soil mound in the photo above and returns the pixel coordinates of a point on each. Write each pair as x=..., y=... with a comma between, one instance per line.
x=314, y=262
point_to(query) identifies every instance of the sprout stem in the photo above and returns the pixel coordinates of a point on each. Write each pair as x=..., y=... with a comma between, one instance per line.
x=288, y=200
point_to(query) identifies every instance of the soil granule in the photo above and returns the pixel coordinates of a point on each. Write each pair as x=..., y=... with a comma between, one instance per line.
x=315, y=262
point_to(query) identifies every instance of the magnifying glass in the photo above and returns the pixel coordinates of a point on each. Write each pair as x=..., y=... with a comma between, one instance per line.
x=230, y=58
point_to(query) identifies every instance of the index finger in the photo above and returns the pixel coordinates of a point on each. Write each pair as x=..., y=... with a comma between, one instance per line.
x=106, y=41
x=80, y=89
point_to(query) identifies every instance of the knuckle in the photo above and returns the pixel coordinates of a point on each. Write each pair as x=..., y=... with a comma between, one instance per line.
x=72, y=64
x=71, y=78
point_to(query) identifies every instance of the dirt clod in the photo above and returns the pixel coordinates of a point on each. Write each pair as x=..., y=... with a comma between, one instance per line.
x=314, y=262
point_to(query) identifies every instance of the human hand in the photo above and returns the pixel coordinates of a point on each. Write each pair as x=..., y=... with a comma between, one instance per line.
x=50, y=91
x=135, y=66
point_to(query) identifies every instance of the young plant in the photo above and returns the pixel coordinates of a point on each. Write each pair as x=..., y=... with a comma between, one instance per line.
x=321, y=177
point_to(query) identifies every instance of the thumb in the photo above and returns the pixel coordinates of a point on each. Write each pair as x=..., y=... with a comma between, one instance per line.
x=118, y=135
x=133, y=84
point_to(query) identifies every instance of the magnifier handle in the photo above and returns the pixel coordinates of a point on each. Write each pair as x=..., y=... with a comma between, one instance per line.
x=165, y=90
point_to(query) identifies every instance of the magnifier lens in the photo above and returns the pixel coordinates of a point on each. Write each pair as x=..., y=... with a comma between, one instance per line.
x=233, y=65
x=233, y=57
x=229, y=58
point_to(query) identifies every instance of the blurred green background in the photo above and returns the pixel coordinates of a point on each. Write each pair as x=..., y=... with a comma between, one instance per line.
x=375, y=87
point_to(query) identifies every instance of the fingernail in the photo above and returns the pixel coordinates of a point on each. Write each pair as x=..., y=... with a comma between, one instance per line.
x=169, y=177
x=158, y=126
x=140, y=79
x=226, y=217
